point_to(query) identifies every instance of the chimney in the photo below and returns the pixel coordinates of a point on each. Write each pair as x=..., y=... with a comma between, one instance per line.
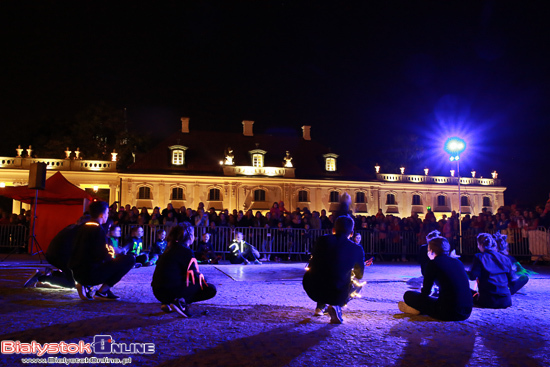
x=306, y=130
x=185, y=124
x=247, y=128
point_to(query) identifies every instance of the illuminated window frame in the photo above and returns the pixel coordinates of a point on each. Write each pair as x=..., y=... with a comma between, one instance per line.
x=334, y=197
x=303, y=196
x=330, y=162
x=360, y=197
x=390, y=199
x=177, y=155
x=257, y=156
x=257, y=160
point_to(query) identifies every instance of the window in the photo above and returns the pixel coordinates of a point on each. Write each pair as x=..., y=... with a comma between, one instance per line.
x=417, y=200
x=177, y=193
x=214, y=195
x=177, y=154
x=486, y=201
x=360, y=198
x=177, y=157
x=259, y=195
x=331, y=164
x=144, y=192
x=334, y=197
x=441, y=200
x=464, y=201
x=390, y=199
x=302, y=196
x=257, y=160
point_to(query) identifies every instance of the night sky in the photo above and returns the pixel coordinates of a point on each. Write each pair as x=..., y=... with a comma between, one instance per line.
x=370, y=78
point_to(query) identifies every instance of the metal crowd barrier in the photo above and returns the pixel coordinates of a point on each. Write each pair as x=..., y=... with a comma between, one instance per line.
x=296, y=244
x=13, y=235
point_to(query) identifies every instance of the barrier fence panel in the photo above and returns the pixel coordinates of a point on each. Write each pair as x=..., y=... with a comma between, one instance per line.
x=296, y=244
x=12, y=236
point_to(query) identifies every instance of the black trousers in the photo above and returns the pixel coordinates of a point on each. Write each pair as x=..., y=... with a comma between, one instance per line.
x=251, y=254
x=191, y=294
x=109, y=273
x=429, y=306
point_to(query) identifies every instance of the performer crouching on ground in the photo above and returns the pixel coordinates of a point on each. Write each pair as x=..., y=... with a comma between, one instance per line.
x=335, y=262
x=92, y=260
x=455, y=298
x=177, y=281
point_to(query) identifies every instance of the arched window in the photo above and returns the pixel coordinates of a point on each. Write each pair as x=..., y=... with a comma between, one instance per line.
x=360, y=197
x=441, y=200
x=486, y=201
x=177, y=193
x=390, y=199
x=302, y=196
x=144, y=193
x=334, y=197
x=464, y=201
x=417, y=200
x=259, y=195
x=214, y=195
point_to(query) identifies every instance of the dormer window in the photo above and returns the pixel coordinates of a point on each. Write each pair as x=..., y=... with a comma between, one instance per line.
x=330, y=162
x=178, y=155
x=257, y=157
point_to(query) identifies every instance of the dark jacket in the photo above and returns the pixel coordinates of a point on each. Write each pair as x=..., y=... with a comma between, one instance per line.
x=90, y=249
x=493, y=271
x=328, y=279
x=172, y=267
x=455, y=298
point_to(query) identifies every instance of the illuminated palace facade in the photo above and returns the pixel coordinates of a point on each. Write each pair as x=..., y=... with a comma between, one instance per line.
x=247, y=171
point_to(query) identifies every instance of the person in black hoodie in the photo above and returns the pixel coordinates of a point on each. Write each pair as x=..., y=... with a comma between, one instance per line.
x=455, y=298
x=177, y=281
x=92, y=260
x=493, y=272
x=335, y=265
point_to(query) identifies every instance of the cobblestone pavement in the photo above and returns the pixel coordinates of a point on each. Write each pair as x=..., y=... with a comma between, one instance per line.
x=262, y=317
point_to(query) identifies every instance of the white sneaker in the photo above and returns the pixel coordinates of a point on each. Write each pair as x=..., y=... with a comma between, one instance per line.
x=405, y=308
x=318, y=312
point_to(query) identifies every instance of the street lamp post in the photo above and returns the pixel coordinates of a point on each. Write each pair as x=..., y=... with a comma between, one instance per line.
x=454, y=147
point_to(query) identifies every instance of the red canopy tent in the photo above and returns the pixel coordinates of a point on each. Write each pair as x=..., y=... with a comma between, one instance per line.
x=59, y=205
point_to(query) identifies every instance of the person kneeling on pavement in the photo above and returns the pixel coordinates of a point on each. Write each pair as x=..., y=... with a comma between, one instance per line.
x=242, y=252
x=332, y=273
x=177, y=281
x=92, y=260
x=455, y=298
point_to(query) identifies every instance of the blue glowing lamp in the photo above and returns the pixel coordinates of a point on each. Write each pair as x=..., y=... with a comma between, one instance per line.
x=454, y=146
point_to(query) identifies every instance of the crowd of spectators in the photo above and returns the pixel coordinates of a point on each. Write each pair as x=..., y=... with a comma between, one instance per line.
x=23, y=218
x=506, y=219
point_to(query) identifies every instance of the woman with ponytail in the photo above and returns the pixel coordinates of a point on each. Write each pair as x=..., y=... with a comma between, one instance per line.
x=177, y=281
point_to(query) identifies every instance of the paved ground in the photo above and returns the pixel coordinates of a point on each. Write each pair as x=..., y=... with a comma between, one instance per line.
x=262, y=317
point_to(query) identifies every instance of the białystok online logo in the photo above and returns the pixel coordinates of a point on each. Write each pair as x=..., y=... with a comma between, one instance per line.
x=102, y=344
